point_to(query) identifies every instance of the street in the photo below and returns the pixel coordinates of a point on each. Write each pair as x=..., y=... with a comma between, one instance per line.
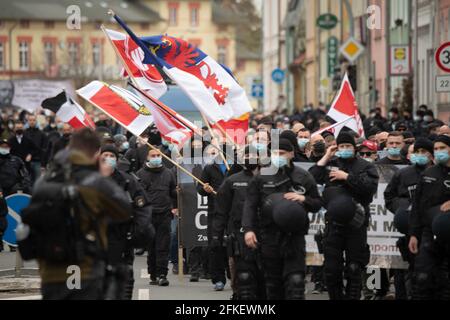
x=179, y=289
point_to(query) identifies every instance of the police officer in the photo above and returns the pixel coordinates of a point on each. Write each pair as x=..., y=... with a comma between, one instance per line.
x=432, y=200
x=120, y=247
x=399, y=196
x=350, y=184
x=248, y=278
x=68, y=217
x=277, y=203
x=160, y=186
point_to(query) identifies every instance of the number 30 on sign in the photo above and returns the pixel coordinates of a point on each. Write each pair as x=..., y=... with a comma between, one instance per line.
x=443, y=57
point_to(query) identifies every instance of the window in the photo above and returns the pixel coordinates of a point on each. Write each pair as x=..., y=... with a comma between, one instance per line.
x=194, y=17
x=173, y=11
x=2, y=55
x=222, y=55
x=24, y=24
x=74, y=52
x=49, y=53
x=24, y=56
x=96, y=53
x=49, y=24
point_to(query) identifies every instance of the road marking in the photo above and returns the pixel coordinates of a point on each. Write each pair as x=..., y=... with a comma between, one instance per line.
x=37, y=297
x=144, y=294
x=144, y=274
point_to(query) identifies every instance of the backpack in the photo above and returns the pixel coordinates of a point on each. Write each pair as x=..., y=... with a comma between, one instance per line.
x=53, y=221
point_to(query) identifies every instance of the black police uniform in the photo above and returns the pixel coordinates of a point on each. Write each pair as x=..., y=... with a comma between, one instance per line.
x=137, y=157
x=361, y=185
x=120, y=250
x=160, y=187
x=249, y=280
x=432, y=262
x=282, y=254
x=214, y=176
x=398, y=196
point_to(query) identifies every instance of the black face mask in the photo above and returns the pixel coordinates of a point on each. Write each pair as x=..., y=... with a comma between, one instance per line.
x=19, y=132
x=67, y=135
x=382, y=146
x=250, y=165
x=319, y=147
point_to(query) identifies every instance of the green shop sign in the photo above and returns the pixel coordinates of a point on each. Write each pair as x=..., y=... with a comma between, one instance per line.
x=332, y=54
x=327, y=21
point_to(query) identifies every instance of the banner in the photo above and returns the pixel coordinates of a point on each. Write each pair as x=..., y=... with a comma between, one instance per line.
x=193, y=209
x=29, y=94
x=381, y=234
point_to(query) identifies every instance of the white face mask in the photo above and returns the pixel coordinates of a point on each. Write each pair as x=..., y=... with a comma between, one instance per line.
x=369, y=160
x=4, y=151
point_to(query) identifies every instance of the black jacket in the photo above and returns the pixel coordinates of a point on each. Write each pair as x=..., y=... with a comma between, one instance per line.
x=213, y=175
x=386, y=160
x=160, y=187
x=264, y=185
x=433, y=189
x=13, y=175
x=400, y=191
x=59, y=145
x=22, y=149
x=230, y=202
x=39, y=140
x=362, y=182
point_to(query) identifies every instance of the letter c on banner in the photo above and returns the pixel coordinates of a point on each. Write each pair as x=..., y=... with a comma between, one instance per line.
x=198, y=225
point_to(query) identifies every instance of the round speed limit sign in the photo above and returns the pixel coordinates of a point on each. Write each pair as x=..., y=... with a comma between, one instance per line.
x=443, y=57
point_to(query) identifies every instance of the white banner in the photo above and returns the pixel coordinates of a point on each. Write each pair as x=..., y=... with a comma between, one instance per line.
x=29, y=94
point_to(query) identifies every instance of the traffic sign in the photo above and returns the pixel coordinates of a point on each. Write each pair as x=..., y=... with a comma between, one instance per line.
x=278, y=75
x=16, y=203
x=400, y=60
x=443, y=57
x=327, y=21
x=257, y=90
x=443, y=84
x=351, y=49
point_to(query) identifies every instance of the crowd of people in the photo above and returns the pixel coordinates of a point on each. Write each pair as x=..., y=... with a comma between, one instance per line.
x=257, y=216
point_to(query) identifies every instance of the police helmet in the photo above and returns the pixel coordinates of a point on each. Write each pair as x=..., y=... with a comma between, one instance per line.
x=401, y=220
x=341, y=209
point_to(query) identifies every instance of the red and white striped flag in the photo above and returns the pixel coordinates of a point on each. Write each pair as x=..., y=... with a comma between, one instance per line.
x=68, y=111
x=344, y=106
x=121, y=105
x=172, y=126
x=146, y=76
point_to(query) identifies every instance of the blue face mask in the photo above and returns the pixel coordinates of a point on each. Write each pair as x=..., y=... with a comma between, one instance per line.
x=345, y=154
x=302, y=143
x=125, y=145
x=4, y=151
x=260, y=147
x=111, y=162
x=278, y=161
x=394, y=152
x=441, y=157
x=419, y=159
x=164, y=143
x=155, y=162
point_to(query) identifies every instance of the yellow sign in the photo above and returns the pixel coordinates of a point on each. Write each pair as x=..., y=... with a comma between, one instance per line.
x=352, y=49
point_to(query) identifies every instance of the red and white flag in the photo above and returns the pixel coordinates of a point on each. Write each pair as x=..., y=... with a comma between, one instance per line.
x=146, y=76
x=172, y=126
x=335, y=128
x=68, y=111
x=345, y=106
x=121, y=105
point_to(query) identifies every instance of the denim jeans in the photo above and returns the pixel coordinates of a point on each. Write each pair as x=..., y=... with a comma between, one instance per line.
x=174, y=241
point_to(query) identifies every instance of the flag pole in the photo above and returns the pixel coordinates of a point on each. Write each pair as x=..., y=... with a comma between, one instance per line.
x=214, y=137
x=154, y=148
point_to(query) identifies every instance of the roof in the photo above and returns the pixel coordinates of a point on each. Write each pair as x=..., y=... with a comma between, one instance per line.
x=93, y=10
